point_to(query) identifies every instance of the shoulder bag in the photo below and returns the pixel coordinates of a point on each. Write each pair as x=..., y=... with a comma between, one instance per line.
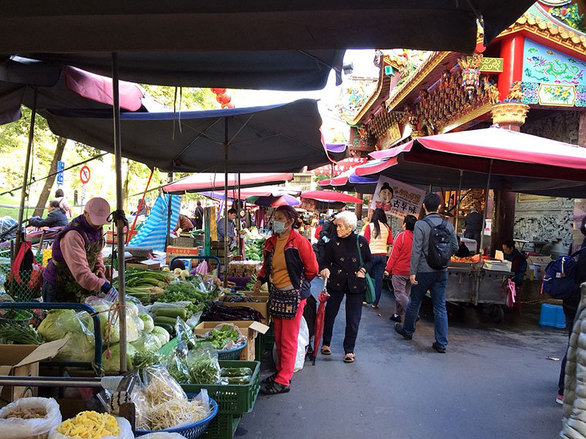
x=370, y=295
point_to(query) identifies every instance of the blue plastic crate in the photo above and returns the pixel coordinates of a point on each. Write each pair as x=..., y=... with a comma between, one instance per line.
x=552, y=315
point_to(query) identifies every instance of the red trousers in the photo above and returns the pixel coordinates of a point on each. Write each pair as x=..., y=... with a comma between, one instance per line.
x=286, y=334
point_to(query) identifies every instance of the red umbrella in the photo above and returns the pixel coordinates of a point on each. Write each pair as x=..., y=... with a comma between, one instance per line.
x=319, y=320
x=331, y=197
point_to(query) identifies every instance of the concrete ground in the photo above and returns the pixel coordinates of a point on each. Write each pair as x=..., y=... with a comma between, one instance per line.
x=495, y=381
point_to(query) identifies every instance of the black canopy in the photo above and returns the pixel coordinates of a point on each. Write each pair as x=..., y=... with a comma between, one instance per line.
x=279, y=138
x=156, y=40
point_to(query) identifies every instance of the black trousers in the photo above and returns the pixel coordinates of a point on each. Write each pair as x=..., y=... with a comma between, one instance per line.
x=309, y=314
x=570, y=309
x=353, y=314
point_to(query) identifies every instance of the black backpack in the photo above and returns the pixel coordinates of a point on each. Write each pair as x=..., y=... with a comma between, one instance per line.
x=439, y=251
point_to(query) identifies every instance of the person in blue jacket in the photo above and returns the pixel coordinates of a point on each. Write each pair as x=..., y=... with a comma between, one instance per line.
x=56, y=217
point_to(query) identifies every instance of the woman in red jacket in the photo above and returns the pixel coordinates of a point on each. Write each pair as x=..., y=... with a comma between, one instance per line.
x=398, y=265
x=289, y=266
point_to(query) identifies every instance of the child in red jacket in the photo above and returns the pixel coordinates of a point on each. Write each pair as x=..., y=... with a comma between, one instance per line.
x=398, y=265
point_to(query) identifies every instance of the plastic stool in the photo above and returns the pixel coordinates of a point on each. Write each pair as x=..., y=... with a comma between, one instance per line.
x=552, y=315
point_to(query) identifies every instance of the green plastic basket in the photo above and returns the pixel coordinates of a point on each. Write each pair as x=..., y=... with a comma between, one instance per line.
x=223, y=426
x=235, y=399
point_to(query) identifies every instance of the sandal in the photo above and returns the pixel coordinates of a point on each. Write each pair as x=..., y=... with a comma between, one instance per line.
x=273, y=388
x=269, y=379
x=349, y=357
x=325, y=350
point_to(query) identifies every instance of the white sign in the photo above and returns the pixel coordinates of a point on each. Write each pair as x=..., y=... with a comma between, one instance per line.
x=397, y=198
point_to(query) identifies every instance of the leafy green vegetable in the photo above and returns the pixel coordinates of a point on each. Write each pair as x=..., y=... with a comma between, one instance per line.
x=203, y=365
x=219, y=338
x=19, y=333
x=144, y=359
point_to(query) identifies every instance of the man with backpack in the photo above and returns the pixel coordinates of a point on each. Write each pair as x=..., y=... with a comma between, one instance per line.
x=434, y=242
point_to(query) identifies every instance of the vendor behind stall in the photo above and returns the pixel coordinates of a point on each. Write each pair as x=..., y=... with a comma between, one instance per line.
x=518, y=262
x=76, y=269
x=463, y=251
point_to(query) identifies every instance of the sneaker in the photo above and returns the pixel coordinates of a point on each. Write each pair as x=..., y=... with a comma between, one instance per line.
x=395, y=318
x=559, y=399
x=400, y=330
x=438, y=348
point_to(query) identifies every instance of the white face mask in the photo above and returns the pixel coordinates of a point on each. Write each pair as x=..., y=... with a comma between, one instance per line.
x=278, y=226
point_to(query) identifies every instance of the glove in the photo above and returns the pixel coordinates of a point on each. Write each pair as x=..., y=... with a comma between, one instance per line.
x=110, y=292
x=112, y=295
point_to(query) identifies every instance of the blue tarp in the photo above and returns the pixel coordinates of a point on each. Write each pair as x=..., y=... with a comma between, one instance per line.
x=153, y=232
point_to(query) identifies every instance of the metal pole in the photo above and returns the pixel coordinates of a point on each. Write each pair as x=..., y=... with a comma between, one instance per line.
x=120, y=210
x=458, y=201
x=479, y=266
x=225, y=202
x=43, y=381
x=238, y=219
x=169, y=212
x=23, y=196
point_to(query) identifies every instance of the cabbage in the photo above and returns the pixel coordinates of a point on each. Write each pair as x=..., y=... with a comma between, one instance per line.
x=112, y=364
x=80, y=347
x=134, y=326
x=162, y=334
x=148, y=343
x=148, y=322
x=49, y=329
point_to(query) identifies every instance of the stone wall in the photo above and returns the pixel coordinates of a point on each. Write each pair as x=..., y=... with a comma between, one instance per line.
x=543, y=219
x=557, y=125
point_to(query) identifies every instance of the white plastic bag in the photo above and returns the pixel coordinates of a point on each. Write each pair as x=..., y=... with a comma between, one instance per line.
x=125, y=432
x=302, y=342
x=17, y=428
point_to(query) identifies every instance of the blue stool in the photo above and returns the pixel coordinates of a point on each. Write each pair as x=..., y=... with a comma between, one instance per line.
x=552, y=315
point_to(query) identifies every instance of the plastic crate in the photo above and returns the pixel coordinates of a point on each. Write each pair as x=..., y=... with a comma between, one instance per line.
x=269, y=338
x=223, y=426
x=235, y=399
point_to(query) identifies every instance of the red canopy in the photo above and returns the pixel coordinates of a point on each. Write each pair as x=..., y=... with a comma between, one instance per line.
x=519, y=162
x=331, y=197
x=211, y=181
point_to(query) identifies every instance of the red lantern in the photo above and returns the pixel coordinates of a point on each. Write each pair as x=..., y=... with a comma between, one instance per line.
x=218, y=91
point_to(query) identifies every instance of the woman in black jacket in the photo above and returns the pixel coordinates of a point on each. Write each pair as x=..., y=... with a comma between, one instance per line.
x=342, y=267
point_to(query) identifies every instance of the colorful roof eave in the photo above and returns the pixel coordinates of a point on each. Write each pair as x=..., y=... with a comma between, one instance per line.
x=539, y=25
x=382, y=84
x=535, y=22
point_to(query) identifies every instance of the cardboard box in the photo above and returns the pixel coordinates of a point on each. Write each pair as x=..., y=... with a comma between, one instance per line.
x=250, y=328
x=112, y=235
x=23, y=360
x=173, y=251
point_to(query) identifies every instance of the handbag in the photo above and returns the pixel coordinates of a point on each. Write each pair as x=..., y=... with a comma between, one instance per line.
x=283, y=304
x=370, y=295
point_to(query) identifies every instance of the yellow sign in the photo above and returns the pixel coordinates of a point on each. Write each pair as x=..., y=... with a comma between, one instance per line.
x=490, y=65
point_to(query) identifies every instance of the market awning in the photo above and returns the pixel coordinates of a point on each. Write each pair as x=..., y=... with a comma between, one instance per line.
x=139, y=26
x=519, y=162
x=330, y=197
x=59, y=88
x=213, y=182
x=280, y=138
x=349, y=181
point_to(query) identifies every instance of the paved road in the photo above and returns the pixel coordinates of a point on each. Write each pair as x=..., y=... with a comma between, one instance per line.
x=494, y=382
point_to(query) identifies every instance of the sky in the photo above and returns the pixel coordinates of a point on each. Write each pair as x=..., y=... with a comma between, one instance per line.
x=332, y=124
